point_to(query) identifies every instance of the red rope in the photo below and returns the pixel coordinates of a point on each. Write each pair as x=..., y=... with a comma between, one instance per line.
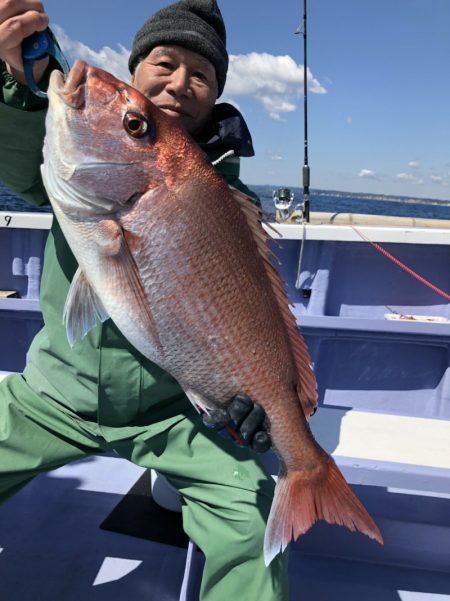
x=402, y=265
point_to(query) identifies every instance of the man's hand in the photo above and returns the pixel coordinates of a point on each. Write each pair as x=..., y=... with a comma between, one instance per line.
x=18, y=20
x=242, y=422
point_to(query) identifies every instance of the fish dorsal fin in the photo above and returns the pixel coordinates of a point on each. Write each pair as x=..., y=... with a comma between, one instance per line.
x=307, y=385
x=82, y=309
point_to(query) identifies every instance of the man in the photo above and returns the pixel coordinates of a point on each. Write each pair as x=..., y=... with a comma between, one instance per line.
x=102, y=395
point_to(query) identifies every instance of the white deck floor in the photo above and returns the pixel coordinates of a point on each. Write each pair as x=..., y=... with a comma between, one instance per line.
x=52, y=549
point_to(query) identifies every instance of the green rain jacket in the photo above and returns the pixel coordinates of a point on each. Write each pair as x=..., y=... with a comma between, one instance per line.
x=102, y=377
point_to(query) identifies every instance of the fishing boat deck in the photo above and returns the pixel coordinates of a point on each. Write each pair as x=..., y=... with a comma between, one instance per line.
x=83, y=530
x=53, y=547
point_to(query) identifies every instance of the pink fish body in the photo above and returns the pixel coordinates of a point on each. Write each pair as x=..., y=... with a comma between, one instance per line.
x=179, y=261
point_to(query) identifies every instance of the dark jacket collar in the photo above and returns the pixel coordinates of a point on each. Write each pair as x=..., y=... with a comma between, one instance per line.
x=226, y=130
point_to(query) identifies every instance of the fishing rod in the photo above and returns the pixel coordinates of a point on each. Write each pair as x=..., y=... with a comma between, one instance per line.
x=305, y=171
x=283, y=197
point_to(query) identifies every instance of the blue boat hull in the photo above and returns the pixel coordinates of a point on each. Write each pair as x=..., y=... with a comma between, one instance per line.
x=384, y=415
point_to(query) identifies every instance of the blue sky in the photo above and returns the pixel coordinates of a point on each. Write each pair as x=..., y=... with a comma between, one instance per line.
x=379, y=100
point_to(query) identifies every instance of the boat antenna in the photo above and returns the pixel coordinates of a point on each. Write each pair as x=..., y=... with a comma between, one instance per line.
x=306, y=172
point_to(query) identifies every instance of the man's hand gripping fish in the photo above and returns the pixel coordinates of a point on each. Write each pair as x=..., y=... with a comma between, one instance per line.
x=179, y=261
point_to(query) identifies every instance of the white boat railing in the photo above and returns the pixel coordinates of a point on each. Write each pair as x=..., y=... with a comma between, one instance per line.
x=396, y=230
x=33, y=221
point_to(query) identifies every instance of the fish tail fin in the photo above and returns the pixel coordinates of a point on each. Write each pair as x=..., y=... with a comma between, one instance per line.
x=300, y=500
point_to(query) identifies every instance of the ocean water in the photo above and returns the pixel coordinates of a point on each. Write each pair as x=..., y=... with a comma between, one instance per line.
x=11, y=202
x=335, y=201
x=320, y=200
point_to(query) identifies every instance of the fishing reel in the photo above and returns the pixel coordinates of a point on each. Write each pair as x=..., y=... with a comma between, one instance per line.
x=283, y=199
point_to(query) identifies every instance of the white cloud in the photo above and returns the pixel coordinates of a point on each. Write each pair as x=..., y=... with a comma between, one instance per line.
x=367, y=173
x=114, y=61
x=437, y=179
x=408, y=177
x=349, y=119
x=276, y=157
x=413, y=164
x=275, y=81
x=275, y=105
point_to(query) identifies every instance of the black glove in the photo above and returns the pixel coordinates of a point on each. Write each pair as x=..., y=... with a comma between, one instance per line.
x=242, y=422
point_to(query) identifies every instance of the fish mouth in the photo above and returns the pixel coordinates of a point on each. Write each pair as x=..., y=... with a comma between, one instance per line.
x=71, y=89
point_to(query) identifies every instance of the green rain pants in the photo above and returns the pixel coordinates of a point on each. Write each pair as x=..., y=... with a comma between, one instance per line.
x=226, y=493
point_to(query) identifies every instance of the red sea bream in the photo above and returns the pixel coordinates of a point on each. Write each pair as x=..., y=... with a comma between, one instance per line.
x=179, y=261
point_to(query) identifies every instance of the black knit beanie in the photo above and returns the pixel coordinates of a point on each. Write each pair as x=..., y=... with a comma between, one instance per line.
x=193, y=24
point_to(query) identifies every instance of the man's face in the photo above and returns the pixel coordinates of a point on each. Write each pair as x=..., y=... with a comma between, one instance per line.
x=180, y=82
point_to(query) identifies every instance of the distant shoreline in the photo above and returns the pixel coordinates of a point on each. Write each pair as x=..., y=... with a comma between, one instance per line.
x=335, y=201
x=365, y=195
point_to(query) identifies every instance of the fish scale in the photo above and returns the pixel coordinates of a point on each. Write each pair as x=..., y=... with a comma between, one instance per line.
x=179, y=261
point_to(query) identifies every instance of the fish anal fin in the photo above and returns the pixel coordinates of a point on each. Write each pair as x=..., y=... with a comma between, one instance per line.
x=306, y=381
x=300, y=500
x=201, y=403
x=82, y=308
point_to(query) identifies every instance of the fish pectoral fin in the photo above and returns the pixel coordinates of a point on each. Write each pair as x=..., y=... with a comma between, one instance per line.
x=121, y=268
x=82, y=308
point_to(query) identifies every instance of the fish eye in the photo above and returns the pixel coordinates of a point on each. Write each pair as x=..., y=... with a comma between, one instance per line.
x=135, y=124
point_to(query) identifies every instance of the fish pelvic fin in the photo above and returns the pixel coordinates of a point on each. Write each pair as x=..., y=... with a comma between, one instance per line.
x=200, y=402
x=82, y=308
x=306, y=380
x=300, y=500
